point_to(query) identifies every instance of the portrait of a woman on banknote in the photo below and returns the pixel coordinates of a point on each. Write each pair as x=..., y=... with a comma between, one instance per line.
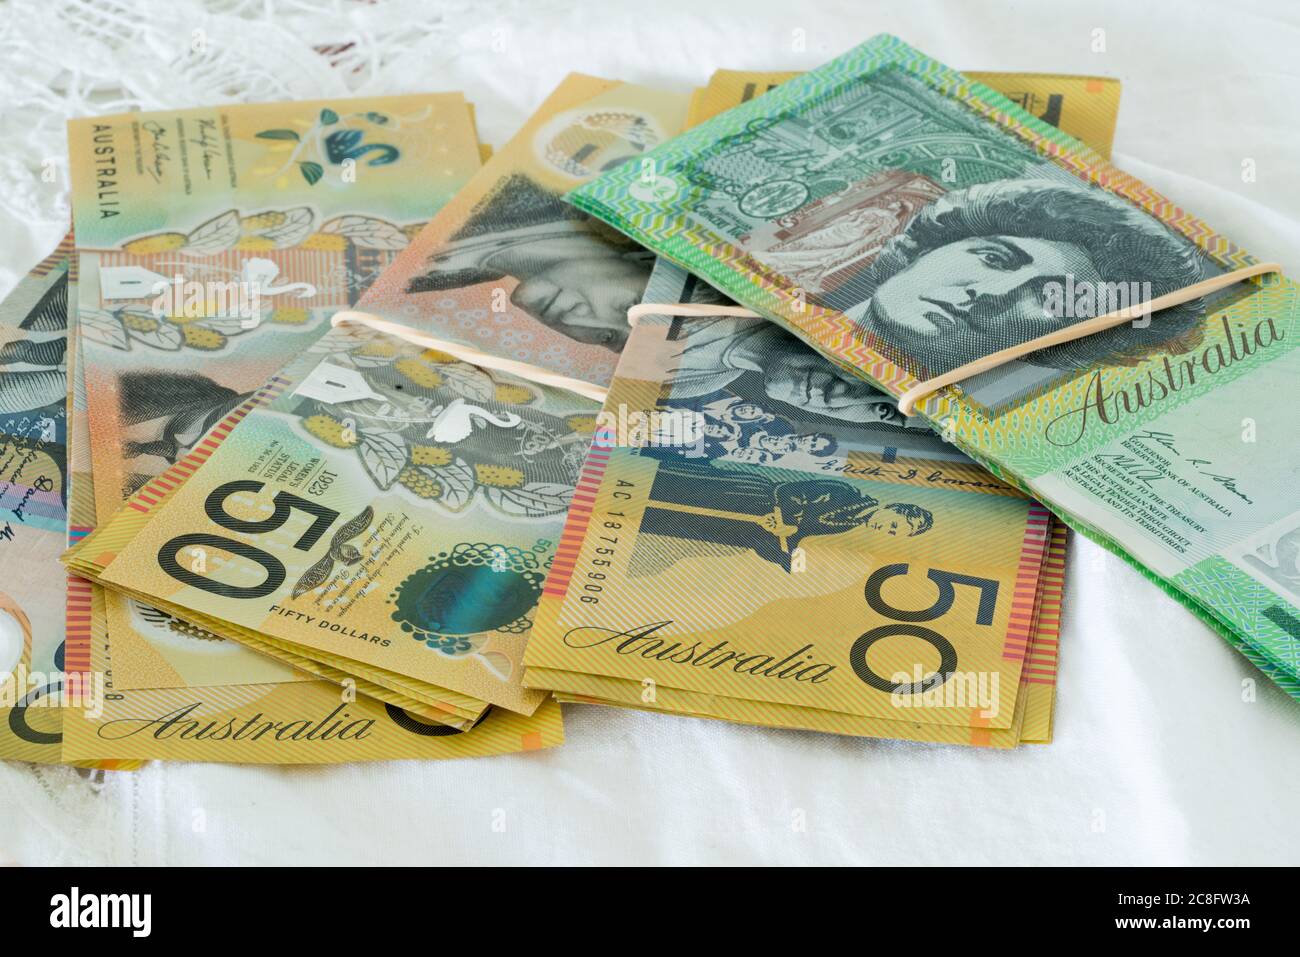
x=973, y=272
x=574, y=275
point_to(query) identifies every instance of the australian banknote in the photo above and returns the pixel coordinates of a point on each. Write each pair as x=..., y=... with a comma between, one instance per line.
x=33, y=509
x=43, y=676
x=309, y=722
x=215, y=244
x=917, y=220
x=809, y=390
x=1086, y=107
x=509, y=268
x=286, y=722
x=218, y=238
x=433, y=492
x=854, y=566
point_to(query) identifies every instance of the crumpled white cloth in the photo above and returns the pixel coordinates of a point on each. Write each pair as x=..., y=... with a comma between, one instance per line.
x=1158, y=758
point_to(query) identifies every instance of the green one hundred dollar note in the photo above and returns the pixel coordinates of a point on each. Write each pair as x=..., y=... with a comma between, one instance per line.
x=382, y=512
x=904, y=220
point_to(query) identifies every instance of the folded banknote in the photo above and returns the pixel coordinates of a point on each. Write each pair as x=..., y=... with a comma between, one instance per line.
x=210, y=263
x=758, y=536
x=380, y=511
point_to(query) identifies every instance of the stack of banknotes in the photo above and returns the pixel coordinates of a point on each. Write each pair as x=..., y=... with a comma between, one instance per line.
x=350, y=450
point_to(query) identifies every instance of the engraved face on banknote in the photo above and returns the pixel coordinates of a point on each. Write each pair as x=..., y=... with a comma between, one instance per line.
x=509, y=268
x=974, y=272
x=758, y=359
x=757, y=395
x=573, y=275
x=971, y=226
x=939, y=240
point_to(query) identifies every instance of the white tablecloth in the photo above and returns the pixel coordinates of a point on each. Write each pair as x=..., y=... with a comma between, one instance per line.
x=1160, y=756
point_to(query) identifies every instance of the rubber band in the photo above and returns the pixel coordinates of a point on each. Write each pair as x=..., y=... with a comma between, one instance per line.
x=1079, y=330
x=486, y=360
x=686, y=309
x=908, y=399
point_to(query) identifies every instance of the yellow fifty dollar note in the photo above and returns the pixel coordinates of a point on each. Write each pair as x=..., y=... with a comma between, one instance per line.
x=288, y=722
x=839, y=399
x=214, y=244
x=510, y=268
x=386, y=510
x=308, y=722
x=1086, y=107
x=1031, y=722
x=752, y=525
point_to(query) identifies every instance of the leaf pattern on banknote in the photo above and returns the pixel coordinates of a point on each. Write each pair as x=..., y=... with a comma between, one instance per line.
x=469, y=381
x=144, y=326
x=216, y=235
x=534, y=500
x=384, y=454
x=457, y=482
x=369, y=362
x=341, y=341
x=296, y=226
x=368, y=231
x=103, y=327
x=451, y=486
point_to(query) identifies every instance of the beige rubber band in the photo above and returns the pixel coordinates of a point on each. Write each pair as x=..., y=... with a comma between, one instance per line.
x=686, y=309
x=471, y=355
x=1086, y=328
x=908, y=399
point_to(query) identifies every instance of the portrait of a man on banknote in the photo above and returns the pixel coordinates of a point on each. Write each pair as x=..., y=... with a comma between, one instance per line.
x=570, y=273
x=984, y=268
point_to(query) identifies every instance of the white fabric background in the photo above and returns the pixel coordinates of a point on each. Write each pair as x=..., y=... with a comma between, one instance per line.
x=1157, y=759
